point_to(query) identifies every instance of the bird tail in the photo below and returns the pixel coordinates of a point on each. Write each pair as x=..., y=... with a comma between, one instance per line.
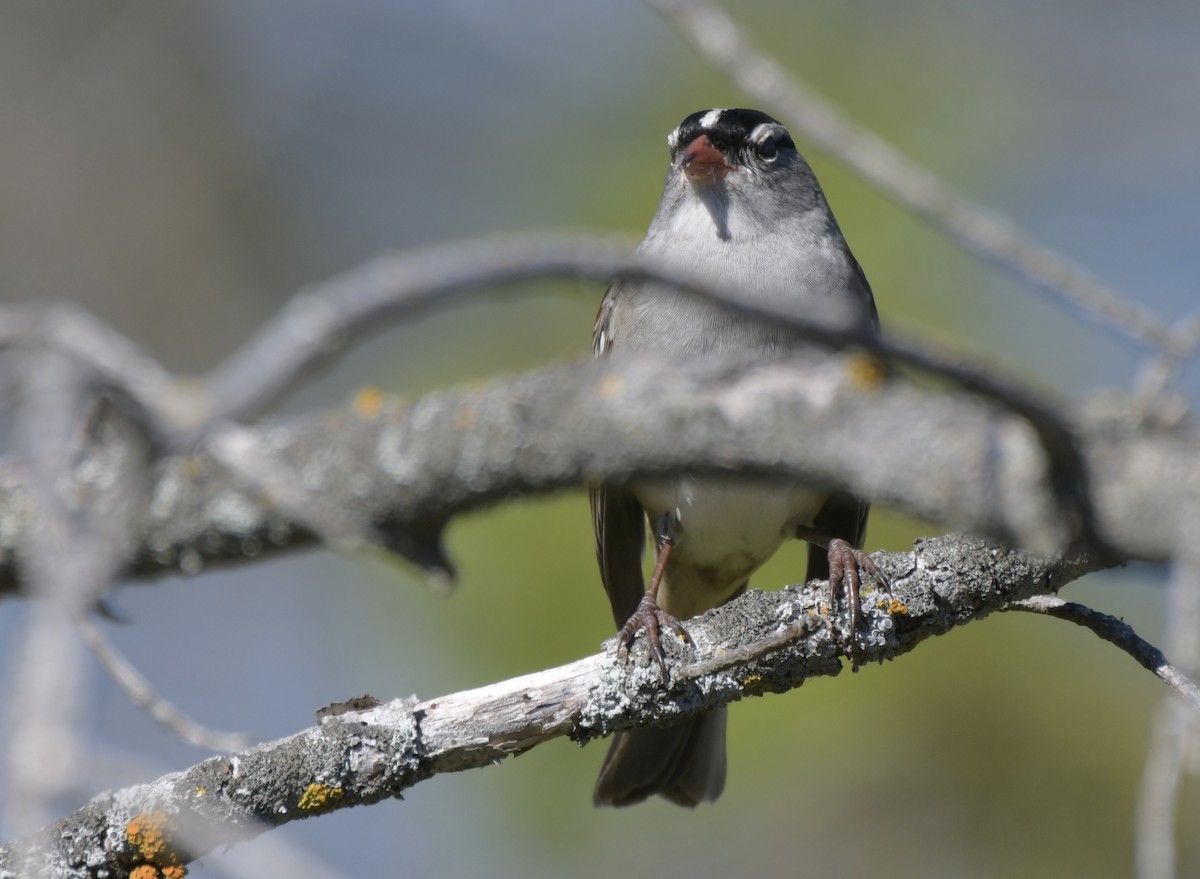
x=685, y=763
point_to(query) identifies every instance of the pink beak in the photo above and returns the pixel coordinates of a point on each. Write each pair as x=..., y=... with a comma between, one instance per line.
x=703, y=162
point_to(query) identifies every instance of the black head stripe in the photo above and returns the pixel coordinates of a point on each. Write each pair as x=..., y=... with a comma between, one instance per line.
x=729, y=130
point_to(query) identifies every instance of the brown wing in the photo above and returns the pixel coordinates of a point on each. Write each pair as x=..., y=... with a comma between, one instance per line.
x=620, y=529
x=618, y=521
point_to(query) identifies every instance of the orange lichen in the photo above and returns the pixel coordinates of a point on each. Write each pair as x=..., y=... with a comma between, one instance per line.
x=319, y=796
x=368, y=401
x=149, y=835
x=897, y=607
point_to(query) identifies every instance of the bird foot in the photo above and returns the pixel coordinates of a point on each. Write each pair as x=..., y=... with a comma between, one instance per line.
x=653, y=619
x=844, y=564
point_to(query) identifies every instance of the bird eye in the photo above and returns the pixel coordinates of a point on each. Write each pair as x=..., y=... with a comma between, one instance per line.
x=767, y=148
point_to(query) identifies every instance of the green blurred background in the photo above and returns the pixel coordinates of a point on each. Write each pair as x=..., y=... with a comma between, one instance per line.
x=182, y=169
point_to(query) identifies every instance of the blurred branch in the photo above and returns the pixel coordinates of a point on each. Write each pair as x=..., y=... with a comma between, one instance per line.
x=1176, y=723
x=325, y=319
x=142, y=694
x=405, y=471
x=762, y=642
x=1158, y=372
x=965, y=222
x=105, y=358
x=73, y=549
x=319, y=322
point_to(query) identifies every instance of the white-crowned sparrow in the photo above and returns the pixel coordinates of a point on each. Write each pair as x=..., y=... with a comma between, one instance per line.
x=741, y=209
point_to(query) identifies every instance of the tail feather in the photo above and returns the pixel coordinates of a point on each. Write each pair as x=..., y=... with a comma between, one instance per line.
x=684, y=763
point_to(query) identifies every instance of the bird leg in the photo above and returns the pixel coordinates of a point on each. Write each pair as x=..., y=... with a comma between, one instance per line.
x=649, y=615
x=844, y=562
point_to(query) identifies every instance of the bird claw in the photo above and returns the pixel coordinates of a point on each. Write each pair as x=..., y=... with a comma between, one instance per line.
x=844, y=564
x=652, y=618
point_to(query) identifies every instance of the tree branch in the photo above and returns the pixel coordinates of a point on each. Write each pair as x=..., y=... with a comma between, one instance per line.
x=763, y=642
x=407, y=470
x=324, y=319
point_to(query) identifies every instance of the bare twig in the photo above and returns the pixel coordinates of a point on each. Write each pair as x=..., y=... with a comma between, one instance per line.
x=141, y=693
x=967, y=223
x=324, y=319
x=365, y=757
x=1116, y=632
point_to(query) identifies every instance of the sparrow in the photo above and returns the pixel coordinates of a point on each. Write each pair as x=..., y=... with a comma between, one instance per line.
x=742, y=210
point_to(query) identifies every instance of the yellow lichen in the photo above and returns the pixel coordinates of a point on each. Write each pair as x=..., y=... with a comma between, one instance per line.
x=368, y=402
x=753, y=684
x=866, y=372
x=174, y=871
x=144, y=871
x=897, y=607
x=319, y=796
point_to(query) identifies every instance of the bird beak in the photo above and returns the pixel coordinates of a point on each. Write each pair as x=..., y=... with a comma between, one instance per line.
x=703, y=162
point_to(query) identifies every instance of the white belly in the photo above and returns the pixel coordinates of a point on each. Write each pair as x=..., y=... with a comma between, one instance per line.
x=727, y=528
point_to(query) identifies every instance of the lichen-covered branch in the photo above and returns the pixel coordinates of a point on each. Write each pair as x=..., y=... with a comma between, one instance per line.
x=405, y=470
x=763, y=642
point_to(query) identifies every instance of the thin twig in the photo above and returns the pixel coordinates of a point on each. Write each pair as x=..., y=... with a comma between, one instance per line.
x=142, y=694
x=1116, y=632
x=321, y=321
x=972, y=226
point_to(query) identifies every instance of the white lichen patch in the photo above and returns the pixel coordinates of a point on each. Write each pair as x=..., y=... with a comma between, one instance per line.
x=233, y=513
